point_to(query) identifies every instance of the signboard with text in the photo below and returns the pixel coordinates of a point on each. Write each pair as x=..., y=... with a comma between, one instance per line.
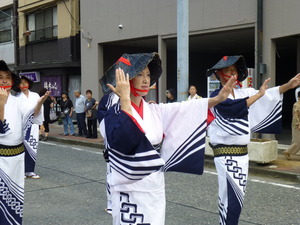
x=34, y=76
x=52, y=84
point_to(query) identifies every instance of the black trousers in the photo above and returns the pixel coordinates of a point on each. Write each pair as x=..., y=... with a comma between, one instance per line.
x=92, y=128
x=80, y=117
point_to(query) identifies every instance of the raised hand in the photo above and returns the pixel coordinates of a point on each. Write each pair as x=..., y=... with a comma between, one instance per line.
x=264, y=87
x=122, y=88
x=3, y=96
x=294, y=82
x=40, y=103
x=227, y=89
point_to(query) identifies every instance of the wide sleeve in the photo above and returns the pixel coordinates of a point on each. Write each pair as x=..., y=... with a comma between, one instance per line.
x=131, y=155
x=4, y=128
x=184, y=127
x=266, y=113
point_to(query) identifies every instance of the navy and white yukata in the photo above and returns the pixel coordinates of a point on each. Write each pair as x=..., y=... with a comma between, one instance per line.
x=138, y=160
x=18, y=118
x=229, y=136
x=31, y=139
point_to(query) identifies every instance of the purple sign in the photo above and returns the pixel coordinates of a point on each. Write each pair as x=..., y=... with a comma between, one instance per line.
x=34, y=76
x=52, y=84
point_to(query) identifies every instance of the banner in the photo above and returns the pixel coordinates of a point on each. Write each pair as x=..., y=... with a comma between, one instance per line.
x=52, y=84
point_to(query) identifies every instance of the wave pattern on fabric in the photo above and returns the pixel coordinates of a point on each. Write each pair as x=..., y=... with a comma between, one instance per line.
x=192, y=148
x=11, y=200
x=232, y=126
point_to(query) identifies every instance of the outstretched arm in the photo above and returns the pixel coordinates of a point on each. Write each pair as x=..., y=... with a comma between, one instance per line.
x=39, y=104
x=261, y=93
x=122, y=89
x=294, y=82
x=223, y=94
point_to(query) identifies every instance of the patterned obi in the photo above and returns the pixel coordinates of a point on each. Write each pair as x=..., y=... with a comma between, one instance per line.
x=229, y=150
x=8, y=151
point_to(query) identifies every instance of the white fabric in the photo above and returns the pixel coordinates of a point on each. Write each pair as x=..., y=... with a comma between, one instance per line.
x=176, y=121
x=233, y=171
x=256, y=115
x=194, y=97
x=14, y=112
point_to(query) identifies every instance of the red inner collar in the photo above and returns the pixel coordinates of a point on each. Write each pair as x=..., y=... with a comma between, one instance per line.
x=139, y=109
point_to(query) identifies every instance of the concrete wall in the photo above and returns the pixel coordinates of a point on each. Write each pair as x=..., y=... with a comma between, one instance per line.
x=281, y=19
x=145, y=18
x=4, y=3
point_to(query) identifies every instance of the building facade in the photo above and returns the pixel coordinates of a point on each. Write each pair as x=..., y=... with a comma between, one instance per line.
x=265, y=32
x=7, y=19
x=49, y=44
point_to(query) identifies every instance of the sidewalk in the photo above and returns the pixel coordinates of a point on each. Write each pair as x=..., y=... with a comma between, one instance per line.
x=281, y=168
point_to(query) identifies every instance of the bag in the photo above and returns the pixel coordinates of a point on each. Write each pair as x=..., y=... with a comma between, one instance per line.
x=62, y=115
x=67, y=111
x=52, y=115
x=89, y=113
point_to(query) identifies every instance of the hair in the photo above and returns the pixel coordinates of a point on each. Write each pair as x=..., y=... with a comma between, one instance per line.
x=172, y=92
x=192, y=86
x=89, y=91
x=77, y=91
x=30, y=82
x=42, y=92
x=66, y=93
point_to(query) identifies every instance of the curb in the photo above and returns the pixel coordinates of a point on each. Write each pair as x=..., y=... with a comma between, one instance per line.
x=77, y=142
x=256, y=169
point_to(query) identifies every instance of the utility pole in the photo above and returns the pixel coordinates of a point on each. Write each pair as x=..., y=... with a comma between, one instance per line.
x=16, y=32
x=182, y=49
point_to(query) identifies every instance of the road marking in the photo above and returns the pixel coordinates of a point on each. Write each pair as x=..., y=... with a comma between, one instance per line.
x=74, y=148
x=263, y=182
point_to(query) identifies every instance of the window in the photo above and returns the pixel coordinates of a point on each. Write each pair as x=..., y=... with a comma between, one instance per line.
x=42, y=25
x=5, y=25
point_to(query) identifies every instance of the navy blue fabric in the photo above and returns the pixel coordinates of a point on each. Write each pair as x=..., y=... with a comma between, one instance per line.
x=232, y=108
x=102, y=108
x=123, y=134
x=234, y=207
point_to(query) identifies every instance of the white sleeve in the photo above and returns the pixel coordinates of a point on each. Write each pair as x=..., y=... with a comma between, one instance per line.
x=265, y=113
x=184, y=126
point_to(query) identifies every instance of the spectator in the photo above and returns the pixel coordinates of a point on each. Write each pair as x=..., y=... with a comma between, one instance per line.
x=193, y=93
x=171, y=95
x=295, y=147
x=48, y=104
x=91, y=114
x=80, y=113
x=66, y=106
x=31, y=141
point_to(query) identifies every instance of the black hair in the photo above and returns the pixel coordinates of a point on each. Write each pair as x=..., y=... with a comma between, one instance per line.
x=66, y=93
x=42, y=92
x=30, y=82
x=89, y=91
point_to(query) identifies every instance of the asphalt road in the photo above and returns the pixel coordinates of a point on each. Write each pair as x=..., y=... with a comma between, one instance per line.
x=72, y=191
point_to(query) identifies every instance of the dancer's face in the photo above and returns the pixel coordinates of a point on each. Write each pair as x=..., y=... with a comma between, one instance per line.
x=6, y=79
x=142, y=81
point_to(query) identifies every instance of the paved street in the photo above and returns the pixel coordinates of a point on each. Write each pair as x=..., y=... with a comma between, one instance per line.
x=72, y=191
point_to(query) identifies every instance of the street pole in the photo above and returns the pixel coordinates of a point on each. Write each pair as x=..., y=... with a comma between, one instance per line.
x=182, y=49
x=16, y=33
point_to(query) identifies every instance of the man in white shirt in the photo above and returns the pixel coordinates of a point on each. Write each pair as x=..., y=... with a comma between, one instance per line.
x=80, y=113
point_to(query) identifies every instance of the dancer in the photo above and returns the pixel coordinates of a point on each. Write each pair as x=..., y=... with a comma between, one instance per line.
x=31, y=139
x=245, y=110
x=16, y=118
x=133, y=131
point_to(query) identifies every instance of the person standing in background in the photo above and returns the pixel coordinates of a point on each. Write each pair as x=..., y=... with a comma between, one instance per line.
x=91, y=115
x=193, y=93
x=171, y=95
x=295, y=147
x=66, y=106
x=80, y=113
x=31, y=141
x=48, y=104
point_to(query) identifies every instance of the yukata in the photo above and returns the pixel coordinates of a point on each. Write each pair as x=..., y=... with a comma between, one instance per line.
x=105, y=104
x=141, y=147
x=31, y=139
x=18, y=118
x=229, y=136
